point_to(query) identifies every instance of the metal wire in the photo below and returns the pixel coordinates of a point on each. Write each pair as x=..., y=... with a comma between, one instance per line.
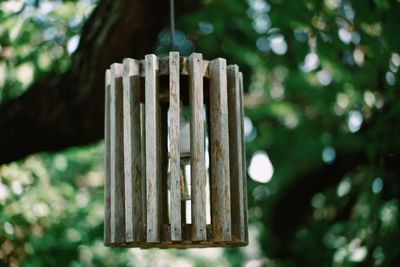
x=172, y=26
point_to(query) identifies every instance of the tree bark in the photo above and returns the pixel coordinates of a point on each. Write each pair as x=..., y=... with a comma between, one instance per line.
x=68, y=110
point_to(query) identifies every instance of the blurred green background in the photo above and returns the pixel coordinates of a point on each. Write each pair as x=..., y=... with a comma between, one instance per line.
x=322, y=133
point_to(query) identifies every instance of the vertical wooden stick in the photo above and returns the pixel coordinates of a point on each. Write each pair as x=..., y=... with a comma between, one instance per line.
x=117, y=156
x=107, y=168
x=152, y=158
x=174, y=144
x=243, y=159
x=198, y=174
x=219, y=157
x=132, y=150
x=143, y=160
x=236, y=154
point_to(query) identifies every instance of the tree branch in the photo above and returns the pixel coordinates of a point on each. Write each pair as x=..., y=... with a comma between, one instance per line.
x=68, y=110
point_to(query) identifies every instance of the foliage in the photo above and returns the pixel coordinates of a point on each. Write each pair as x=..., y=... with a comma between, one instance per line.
x=37, y=38
x=321, y=92
x=52, y=214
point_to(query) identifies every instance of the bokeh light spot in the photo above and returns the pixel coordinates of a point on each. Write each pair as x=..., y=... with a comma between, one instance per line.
x=278, y=44
x=328, y=155
x=354, y=121
x=377, y=185
x=261, y=169
x=311, y=62
x=324, y=77
x=72, y=44
x=343, y=188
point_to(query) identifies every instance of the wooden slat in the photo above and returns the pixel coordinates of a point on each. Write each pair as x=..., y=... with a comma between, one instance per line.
x=243, y=159
x=174, y=145
x=107, y=167
x=152, y=158
x=219, y=147
x=117, y=156
x=236, y=154
x=132, y=150
x=198, y=174
x=143, y=159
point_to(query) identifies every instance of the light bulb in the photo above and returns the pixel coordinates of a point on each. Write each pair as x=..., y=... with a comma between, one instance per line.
x=185, y=157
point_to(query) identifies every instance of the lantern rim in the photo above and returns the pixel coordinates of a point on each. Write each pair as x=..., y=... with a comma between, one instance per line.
x=163, y=65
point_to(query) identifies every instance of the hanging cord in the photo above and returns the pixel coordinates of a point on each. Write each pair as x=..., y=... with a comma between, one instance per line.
x=172, y=21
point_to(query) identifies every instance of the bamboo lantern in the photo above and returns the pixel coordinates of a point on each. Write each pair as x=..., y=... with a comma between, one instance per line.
x=159, y=115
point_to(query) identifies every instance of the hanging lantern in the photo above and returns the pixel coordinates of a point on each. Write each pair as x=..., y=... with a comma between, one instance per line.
x=163, y=118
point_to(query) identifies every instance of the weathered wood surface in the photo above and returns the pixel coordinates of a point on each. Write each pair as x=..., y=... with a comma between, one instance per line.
x=174, y=144
x=152, y=154
x=185, y=243
x=198, y=174
x=107, y=167
x=132, y=150
x=219, y=156
x=183, y=67
x=243, y=159
x=117, y=155
x=143, y=159
x=236, y=154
